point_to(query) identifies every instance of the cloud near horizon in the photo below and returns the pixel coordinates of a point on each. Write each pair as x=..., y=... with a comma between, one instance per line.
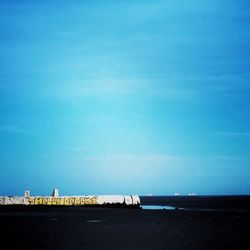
x=15, y=130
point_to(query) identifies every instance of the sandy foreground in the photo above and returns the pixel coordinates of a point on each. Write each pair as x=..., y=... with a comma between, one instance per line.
x=122, y=228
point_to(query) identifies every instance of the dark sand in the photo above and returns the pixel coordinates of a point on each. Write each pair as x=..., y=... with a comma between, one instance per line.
x=122, y=228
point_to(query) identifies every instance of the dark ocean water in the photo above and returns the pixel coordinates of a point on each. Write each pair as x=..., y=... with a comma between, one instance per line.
x=230, y=202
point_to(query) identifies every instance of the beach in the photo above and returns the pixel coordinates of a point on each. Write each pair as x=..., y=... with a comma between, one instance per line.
x=122, y=228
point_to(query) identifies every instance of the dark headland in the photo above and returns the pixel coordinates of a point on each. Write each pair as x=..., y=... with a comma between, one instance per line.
x=216, y=227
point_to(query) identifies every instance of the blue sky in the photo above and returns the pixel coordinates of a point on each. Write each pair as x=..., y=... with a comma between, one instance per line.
x=125, y=97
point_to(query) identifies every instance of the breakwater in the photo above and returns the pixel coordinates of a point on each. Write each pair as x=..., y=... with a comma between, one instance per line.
x=76, y=200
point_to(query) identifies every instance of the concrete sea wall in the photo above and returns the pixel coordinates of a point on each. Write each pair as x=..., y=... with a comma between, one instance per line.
x=92, y=200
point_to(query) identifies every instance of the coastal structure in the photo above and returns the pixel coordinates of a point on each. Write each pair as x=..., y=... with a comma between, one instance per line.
x=76, y=200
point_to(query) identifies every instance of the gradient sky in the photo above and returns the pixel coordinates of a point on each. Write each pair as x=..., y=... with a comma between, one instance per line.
x=125, y=97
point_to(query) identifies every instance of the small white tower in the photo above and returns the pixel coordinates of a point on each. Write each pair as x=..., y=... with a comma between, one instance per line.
x=26, y=193
x=55, y=192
